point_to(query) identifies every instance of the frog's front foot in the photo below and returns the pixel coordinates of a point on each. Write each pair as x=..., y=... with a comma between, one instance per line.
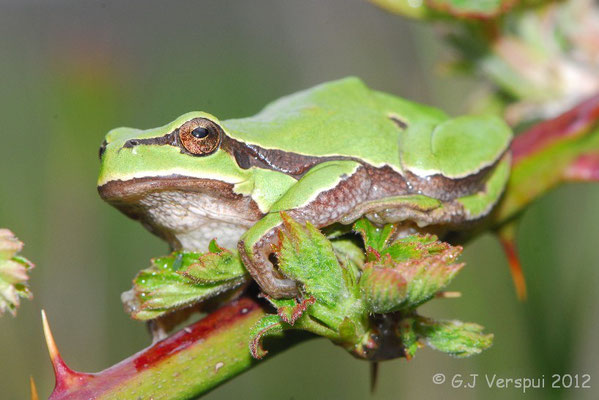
x=271, y=281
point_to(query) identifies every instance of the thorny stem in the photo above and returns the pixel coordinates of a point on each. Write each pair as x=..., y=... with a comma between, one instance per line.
x=187, y=364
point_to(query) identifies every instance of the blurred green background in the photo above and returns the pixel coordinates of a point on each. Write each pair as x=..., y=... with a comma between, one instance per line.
x=72, y=70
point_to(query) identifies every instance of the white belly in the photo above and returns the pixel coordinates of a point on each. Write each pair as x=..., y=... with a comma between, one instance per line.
x=189, y=221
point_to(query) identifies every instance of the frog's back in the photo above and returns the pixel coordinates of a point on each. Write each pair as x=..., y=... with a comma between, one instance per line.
x=339, y=118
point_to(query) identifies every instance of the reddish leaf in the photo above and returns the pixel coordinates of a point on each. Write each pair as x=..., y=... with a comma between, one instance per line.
x=570, y=124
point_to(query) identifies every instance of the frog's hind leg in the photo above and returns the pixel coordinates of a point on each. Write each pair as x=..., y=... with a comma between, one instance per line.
x=322, y=196
x=262, y=270
x=420, y=210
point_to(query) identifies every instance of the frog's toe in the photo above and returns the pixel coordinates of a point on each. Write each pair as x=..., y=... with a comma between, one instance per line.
x=266, y=275
x=282, y=289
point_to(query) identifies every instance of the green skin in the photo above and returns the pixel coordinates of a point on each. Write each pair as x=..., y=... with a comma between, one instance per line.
x=329, y=154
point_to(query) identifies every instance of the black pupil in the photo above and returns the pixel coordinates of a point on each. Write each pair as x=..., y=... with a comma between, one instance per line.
x=200, y=132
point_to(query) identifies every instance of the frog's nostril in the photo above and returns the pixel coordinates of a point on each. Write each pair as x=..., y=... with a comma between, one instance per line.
x=102, y=149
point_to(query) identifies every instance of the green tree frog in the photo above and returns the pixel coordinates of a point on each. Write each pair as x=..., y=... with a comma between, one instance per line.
x=330, y=154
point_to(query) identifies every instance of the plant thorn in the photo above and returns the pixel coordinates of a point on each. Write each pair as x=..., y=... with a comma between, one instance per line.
x=34, y=395
x=65, y=377
x=50, y=343
x=509, y=247
x=374, y=374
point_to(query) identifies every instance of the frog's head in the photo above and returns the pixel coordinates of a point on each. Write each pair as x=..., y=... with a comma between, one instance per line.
x=178, y=180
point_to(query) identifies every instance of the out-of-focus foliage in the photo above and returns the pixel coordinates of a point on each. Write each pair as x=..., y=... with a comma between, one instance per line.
x=541, y=57
x=543, y=61
x=13, y=273
x=552, y=152
x=445, y=9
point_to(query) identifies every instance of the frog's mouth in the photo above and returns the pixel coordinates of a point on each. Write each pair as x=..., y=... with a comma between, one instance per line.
x=129, y=190
x=187, y=212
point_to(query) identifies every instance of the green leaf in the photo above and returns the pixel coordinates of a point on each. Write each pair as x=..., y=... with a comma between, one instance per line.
x=408, y=273
x=384, y=288
x=218, y=266
x=375, y=238
x=415, y=247
x=408, y=337
x=269, y=325
x=213, y=247
x=378, y=242
x=162, y=288
x=459, y=339
x=290, y=310
x=349, y=252
x=306, y=256
x=428, y=276
x=349, y=330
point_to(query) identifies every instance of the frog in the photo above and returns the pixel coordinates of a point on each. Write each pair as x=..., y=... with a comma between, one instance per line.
x=328, y=155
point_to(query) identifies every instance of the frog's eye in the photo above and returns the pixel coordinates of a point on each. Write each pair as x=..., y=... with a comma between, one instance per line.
x=200, y=136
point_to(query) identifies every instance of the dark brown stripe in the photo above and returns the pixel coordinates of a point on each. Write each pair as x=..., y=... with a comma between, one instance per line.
x=294, y=164
x=170, y=139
